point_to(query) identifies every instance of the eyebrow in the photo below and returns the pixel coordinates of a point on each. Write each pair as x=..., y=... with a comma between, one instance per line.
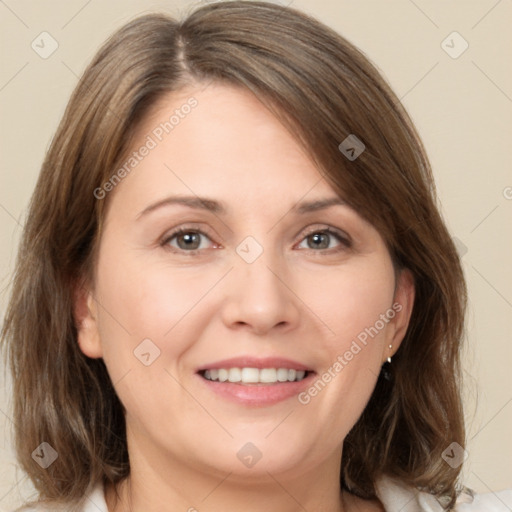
x=214, y=206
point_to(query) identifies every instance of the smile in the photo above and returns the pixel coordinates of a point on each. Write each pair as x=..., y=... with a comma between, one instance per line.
x=249, y=375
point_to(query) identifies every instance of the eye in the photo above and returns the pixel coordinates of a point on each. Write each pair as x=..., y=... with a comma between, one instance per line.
x=325, y=239
x=193, y=240
x=187, y=240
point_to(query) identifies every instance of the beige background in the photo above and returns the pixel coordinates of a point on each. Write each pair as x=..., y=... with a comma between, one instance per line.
x=461, y=106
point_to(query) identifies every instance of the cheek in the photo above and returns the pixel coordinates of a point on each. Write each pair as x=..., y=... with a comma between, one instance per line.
x=352, y=303
x=148, y=300
x=352, y=299
x=148, y=321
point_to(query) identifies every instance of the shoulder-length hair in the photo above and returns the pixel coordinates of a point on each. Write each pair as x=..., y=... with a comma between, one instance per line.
x=323, y=89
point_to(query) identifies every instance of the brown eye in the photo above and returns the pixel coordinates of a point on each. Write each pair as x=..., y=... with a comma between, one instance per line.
x=319, y=241
x=187, y=240
x=324, y=239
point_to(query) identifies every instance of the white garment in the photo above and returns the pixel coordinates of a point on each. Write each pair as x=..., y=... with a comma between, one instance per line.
x=393, y=494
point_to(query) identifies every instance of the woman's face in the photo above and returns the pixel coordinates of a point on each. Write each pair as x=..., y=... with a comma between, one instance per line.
x=226, y=255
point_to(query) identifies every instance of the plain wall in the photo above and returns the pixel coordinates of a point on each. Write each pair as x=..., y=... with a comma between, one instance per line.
x=462, y=108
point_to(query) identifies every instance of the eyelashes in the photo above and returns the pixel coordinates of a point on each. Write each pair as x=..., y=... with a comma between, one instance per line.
x=191, y=241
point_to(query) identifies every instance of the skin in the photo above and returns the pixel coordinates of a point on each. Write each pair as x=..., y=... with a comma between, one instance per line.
x=295, y=301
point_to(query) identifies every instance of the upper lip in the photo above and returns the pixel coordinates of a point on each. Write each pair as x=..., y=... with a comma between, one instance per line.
x=255, y=362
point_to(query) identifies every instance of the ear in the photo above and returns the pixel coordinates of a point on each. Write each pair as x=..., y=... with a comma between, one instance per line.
x=403, y=303
x=85, y=314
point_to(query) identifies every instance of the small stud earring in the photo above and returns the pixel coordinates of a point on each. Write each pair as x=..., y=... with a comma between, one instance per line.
x=389, y=357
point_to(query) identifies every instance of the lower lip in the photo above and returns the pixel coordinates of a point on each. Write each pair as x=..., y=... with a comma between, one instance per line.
x=258, y=395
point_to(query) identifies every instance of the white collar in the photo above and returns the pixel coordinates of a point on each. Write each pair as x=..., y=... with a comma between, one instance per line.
x=393, y=494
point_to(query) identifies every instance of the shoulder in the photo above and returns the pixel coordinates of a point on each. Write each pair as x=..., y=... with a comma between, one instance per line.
x=93, y=502
x=395, y=495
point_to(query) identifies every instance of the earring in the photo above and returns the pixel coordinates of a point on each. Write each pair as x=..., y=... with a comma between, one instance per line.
x=385, y=370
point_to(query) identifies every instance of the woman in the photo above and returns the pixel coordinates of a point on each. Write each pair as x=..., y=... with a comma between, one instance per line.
x=234, y=289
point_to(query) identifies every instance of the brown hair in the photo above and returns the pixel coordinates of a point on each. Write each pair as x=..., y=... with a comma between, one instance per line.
x=323, y=89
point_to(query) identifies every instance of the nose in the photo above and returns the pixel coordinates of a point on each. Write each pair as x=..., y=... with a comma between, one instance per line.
x=260, y=298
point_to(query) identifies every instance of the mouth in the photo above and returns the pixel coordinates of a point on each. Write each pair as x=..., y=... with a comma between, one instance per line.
x=256, y=382
x=254, y=376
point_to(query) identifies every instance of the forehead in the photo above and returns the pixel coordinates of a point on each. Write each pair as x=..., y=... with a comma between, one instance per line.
x=217, y=141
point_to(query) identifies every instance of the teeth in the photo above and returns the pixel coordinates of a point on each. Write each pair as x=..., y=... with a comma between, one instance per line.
x=235, y=375
x=282, y=375
x=250, y=375
x=255, y=375
x=266, y=375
